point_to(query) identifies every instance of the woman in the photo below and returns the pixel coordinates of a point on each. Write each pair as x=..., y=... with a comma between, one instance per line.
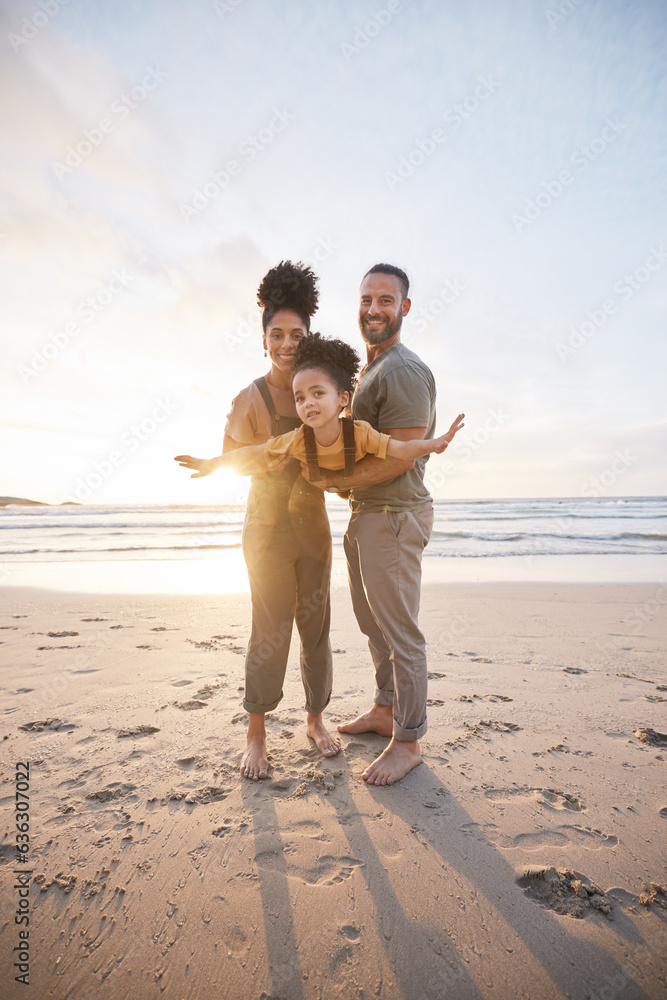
x=286, y=536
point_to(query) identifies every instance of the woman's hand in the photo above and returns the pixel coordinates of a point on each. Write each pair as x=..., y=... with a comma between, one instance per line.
x=204, y=466
x=446, y=439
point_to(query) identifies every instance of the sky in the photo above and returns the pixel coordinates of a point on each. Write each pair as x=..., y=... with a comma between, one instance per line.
x=159, y=157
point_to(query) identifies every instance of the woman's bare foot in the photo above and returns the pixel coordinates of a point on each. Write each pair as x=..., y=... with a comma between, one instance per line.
x=329, y=745
x=255, y=763
x=380, y=720
x=393, y=763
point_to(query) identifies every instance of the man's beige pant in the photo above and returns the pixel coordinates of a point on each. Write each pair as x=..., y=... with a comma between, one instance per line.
x=384, y=555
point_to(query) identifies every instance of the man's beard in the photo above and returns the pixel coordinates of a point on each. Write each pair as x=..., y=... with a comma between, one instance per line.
x=376, y=337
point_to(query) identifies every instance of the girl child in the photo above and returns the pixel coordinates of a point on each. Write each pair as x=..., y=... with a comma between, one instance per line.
x=322, y=375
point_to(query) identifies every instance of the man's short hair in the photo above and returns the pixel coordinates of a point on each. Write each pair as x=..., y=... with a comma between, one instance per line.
x=395, y=272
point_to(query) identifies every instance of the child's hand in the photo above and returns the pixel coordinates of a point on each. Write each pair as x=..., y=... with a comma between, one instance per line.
x=204, y=466
x=446, y=439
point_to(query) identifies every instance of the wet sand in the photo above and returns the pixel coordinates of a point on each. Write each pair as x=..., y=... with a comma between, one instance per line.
x=524, y=858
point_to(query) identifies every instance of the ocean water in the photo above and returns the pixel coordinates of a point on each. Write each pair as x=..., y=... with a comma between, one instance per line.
x=159, y=548
x=463, y=529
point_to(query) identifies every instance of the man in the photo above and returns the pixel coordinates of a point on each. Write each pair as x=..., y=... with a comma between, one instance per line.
x=391, y=522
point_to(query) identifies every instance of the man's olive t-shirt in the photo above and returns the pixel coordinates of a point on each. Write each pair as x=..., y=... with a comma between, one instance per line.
x=395, y=390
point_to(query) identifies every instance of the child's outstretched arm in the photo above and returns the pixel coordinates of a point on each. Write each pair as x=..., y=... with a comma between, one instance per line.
x=245, y=461
x=418, y=448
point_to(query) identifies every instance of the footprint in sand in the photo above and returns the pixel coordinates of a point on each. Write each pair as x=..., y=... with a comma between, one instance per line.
x=113, y=791
x=499, y=727
x=537, y=839
x=310, y=867
x=565, y=891
x=651, y=736
x=432, y=676
x=191, y=797
x=42, y=648
x=136, y=731
x=487, y=697
x=551, y=797
x=178, y=684
x=54, y=725
x=187, y=763
x=574, y=670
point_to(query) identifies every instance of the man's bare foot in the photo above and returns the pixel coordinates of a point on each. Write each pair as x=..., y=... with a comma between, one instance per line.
x=255, y=763
x=329, y=745
x=393, y=763
x=380, y=720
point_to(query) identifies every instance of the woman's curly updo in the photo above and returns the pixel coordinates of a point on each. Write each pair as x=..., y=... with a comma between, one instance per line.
x=288, y=286
x=333, y=357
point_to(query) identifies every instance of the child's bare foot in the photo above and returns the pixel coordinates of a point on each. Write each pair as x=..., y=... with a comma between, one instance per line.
x=329, y=745
x=255, y=763
x=393, y=763
x=378, y=720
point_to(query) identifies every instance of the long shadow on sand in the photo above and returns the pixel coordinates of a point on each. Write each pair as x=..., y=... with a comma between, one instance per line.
x=281, y=944
x=567, y=960
x=426, y=963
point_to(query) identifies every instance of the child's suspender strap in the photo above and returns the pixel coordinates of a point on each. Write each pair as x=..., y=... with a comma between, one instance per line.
x=349, y=450
x=348, y=445
x=314, y=471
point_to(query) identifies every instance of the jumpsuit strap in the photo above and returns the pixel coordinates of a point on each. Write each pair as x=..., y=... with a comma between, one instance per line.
x=266, y=396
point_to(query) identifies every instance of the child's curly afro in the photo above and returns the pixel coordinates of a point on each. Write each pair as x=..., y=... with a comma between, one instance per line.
x=333, y=357
x=288, y=286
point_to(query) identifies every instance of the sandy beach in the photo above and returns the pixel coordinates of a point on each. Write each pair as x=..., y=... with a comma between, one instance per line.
x=524, y=858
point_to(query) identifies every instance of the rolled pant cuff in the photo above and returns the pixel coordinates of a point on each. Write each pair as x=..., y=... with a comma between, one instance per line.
x=405, y=735
x=383, y=697
x=312, y=710
x=260, y=709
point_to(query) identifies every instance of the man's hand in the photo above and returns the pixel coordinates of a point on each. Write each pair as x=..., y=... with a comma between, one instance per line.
x=204, y=466
x=320, y=483
x=445, y=439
